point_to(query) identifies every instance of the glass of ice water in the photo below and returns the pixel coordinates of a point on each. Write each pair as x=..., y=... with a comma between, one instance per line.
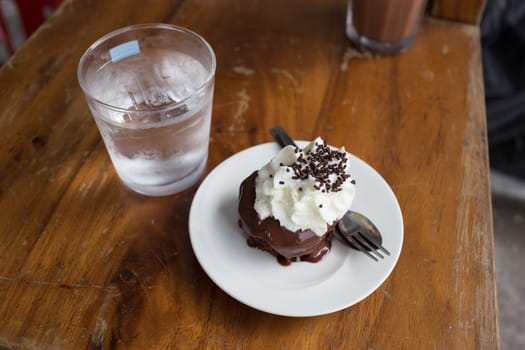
x=150, y=90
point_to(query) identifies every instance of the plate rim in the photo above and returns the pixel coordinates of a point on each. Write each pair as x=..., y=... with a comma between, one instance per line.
x=228, y=289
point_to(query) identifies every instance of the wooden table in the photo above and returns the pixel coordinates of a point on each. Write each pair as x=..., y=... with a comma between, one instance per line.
x=85, y=263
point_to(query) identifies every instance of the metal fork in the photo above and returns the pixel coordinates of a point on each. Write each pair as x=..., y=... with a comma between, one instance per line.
x=360, y=233
x=356, y=229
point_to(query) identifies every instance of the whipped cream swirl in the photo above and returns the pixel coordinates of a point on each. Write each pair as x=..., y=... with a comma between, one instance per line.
x=308, y=188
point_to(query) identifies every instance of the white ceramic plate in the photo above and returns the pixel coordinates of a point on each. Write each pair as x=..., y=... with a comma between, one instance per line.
x=342, y=278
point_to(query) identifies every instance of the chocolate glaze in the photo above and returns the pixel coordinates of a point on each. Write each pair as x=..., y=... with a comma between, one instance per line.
x=270, y=236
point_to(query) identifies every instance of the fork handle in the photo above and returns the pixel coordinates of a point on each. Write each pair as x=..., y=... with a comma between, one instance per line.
x=282, y=138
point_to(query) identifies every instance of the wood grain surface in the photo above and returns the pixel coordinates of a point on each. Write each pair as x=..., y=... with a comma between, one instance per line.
x=86, y=263
x=466, y=11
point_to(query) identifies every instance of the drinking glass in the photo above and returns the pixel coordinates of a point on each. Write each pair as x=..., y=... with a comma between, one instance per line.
x=150, y=89
x=383, y=27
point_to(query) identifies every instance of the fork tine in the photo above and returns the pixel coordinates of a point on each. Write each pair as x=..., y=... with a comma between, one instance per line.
x=359, y=237
x=355, y=243
x=375, y=243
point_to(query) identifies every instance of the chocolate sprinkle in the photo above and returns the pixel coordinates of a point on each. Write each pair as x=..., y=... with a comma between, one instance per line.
x=326, y=165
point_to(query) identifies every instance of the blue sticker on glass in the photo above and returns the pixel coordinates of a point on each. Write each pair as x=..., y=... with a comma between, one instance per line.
x=122, y=51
